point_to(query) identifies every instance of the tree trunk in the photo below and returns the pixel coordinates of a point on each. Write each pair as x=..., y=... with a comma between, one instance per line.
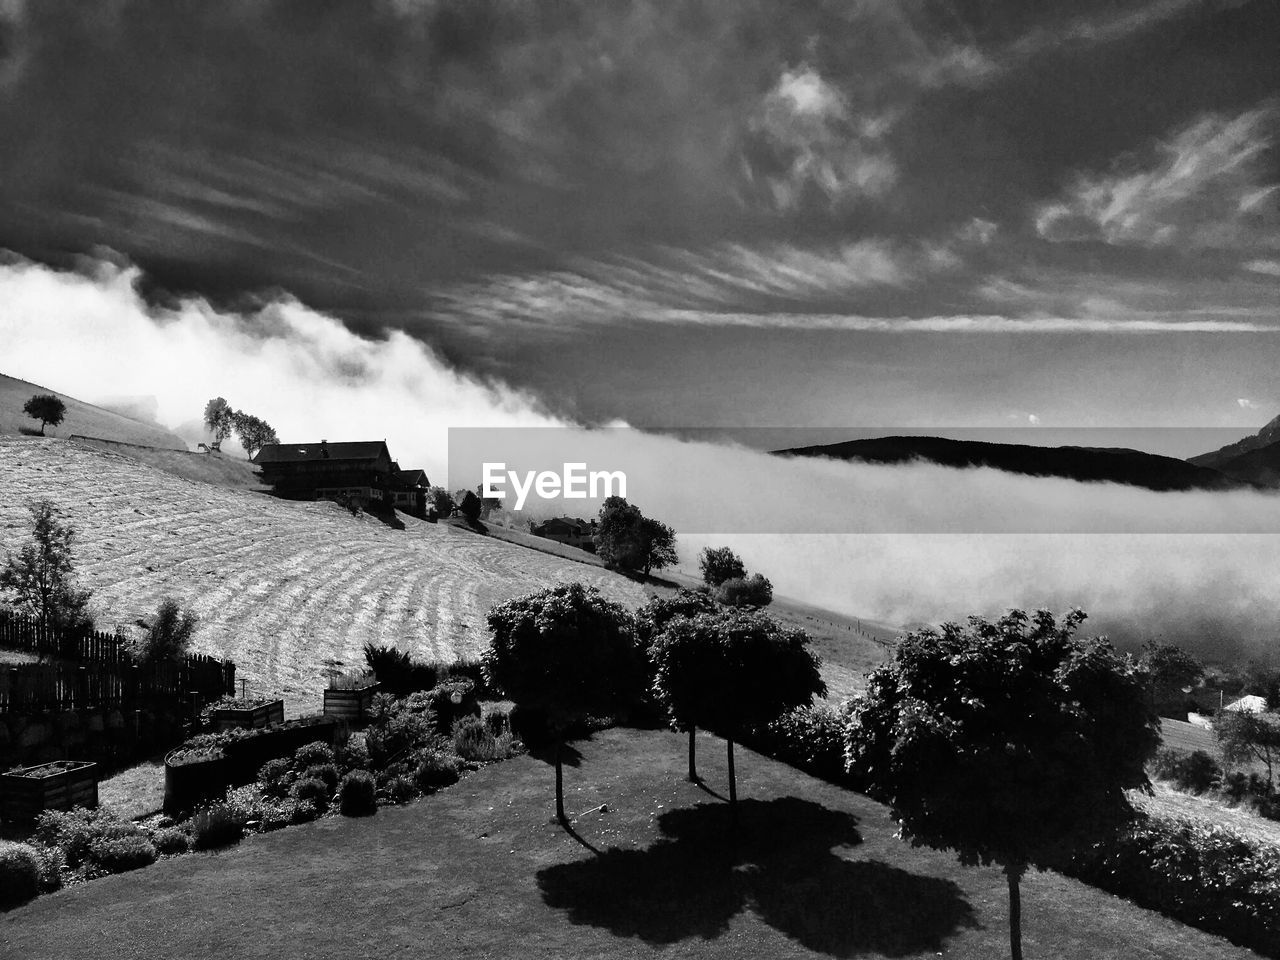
x=693, y=748
x=1014, y=876
x=560, y=814
x=733, y=787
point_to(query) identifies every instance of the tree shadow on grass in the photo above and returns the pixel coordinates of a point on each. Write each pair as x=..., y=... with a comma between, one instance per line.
x=780, y=863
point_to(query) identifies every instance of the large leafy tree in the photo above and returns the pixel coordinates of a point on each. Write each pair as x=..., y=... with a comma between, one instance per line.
x=47, y=408
x=719, y=564
x=566, y=652
x=1007, y=741
x=40, y=577
x=219, y=420
x=651, y=620
x=252, y=432
x=1170, y=670
x=727, y=672
x=1245, y=737
x=628, y=540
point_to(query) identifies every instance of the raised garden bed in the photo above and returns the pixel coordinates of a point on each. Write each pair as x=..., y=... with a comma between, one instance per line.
x=59, y=785
x=350, y=705
x=253, y=714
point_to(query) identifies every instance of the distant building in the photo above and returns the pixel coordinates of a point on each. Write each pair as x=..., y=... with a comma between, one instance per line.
x=568, y=530
x=359, y=472
x=409, y=492
x=1249, y=704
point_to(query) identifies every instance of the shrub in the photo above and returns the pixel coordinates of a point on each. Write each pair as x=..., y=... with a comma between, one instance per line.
x=353, y=755
x=1201, y=874
x=275, y=778
x=312, y=789
x=310, y=754
x=326, y=773
x=399, y=789
x=811, y=739
x=753, y=591
x=171, y=840
x=276, y=816
x=51, y=861
x=303, y=811
x=436, y=769
x=75, y=831
x=357, y=795
x=401, y=727
x=122, y=854
x=217, y=826
x=452, y=699
x=473, y=740
x=499, y=721
x=1196, y=772
x=19, y=873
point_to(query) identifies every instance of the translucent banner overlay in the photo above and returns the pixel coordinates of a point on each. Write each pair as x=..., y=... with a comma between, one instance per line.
x=878, y=480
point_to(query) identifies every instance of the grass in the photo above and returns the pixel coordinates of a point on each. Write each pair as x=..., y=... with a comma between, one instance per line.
x=134, y=792
x=81, y=418
x=479, y=870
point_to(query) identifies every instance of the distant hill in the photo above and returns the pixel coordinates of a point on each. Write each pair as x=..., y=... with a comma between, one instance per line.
x=1098, y=464
x=82, y=418
x=1254, y=459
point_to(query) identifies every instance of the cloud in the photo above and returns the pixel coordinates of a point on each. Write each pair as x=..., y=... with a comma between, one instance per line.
x=1203, y=188
x=1033, y=419
x=1246, y=404
x=1270, y=268
x=807, y=141
x=89, y=334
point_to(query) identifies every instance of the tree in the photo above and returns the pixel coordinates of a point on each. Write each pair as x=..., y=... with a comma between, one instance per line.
x=41, y=575
x=1245, y=737
x=628, y=540
x=1170, y=670
x=719, y=564
x=439, y=500
x=252, y=432
x=46, y=408
x=651, y=620
x=169, y=633
x=752, y=591
x=564, y=651
x=729, y=671
x=1008, y=742
x=219, y=419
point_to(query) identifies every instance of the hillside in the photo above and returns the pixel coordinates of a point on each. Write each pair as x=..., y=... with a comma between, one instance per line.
x=82, y=418
x=1090, y=464
x=1254, y=459
x=286, y=589
x=1216, y=459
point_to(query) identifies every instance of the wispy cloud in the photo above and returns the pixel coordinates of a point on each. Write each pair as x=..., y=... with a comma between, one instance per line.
x=1205, y=187
x=1247, y=404
x=1270, y=268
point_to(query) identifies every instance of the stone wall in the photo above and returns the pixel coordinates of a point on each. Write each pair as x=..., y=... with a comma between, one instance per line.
x=108, y=736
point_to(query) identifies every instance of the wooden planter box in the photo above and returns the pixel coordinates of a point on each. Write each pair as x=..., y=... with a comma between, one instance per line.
x=187, y=785
x=262, y=716
x=59, y=785
x=351, y=706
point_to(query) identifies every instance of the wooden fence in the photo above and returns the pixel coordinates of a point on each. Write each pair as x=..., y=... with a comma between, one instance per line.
x=20, y=632
x=97, y=670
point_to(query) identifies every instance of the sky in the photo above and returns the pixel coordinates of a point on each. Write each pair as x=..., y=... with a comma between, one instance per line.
x=722, y=212
x=390, y=218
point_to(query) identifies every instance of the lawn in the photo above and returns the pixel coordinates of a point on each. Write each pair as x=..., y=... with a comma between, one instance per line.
x=479, y=870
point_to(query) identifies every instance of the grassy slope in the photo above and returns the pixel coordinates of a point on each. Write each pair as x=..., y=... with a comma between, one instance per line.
x=478, y=870
x=283, y=588
x=82, y=418
x=219, y=469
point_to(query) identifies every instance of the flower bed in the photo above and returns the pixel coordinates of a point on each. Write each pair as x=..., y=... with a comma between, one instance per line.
x=253, y=714
x=59, y=785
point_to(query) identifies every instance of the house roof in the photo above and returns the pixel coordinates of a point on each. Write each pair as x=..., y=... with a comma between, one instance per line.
x=413, y=478
x=566, y=523
x=340, y=450
x=1249, y=704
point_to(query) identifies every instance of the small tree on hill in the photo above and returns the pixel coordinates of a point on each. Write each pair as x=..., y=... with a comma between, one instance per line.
x=46, y=408
x=252, y=432
x=719, y=564
x=1245, y=737
x=41, y=576
x=169, y=633
x=219, y=419
x=731, y=671
x=1009, y=742
x=752, y=591
x=567, y=652
x=628, y=540
x=657, y=545
x=1170, y=670
x=438, y=499
x=651, y=620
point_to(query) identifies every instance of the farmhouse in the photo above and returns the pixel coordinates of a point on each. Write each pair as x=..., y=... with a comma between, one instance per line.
x=568, y=530
x=409, y=492
x=357, y=471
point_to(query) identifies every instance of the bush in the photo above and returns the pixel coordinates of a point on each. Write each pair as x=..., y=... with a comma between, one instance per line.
x=1201, y=874
x=326, y=773
x=275, y=816
x=171, y=840
x=75, y=831
x=122, y=854
x=399, y=789
x=275, y=778
x=217, y=826
x=51, y=861
x=19, y=873
x=1196, y=772
x=452, y=699
x=811, y=739
x=303, y=811
x=436, y=769
x=357, y=795
x=400, y=727
x=311, y=754
x=474, y=739
x=312, y=789
x=753, y=591
x=353, y=755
